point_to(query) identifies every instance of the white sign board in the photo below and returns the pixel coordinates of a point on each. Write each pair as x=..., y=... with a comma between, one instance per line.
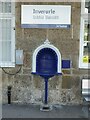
x=45, y=16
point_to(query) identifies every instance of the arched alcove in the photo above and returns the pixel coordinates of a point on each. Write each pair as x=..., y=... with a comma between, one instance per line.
x=46, y=62
x=53, y=56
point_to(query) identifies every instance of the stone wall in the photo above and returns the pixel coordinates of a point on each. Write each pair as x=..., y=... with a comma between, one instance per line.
x=0, y=93
x=28, y=88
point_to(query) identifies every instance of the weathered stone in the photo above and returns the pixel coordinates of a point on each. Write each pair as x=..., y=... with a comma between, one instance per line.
x=26, y=71
x=76, y=81
x=66, y=82
x=0, y=87
x=22, y=80
x=27, y=60
x=27, y=88
x=54, y=82
x=66, y=71
x=80, y=72
x=38, y=82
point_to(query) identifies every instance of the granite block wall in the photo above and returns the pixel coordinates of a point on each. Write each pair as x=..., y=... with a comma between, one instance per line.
x=28, y=88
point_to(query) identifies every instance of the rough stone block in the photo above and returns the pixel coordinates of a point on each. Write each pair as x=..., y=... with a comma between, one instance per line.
x=67, y=71
x=54, y=82
x=27, y=60
x=27, y=71
x=76, y=81
x=80, y=72
x=38, y=82
x=66, y=82
x=23, y=81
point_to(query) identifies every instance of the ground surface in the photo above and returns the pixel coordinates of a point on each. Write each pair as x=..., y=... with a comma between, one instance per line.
x=33, y=111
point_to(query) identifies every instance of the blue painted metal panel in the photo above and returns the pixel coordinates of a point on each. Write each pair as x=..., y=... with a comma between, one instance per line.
x=46, y=66
x=46, y=91
x=46, y=26
x=46, y=63
x=66, y=64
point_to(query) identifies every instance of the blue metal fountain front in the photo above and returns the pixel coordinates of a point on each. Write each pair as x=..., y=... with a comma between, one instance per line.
x=46, y=63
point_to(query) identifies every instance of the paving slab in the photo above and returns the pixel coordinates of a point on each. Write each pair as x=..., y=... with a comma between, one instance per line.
x=33, y=111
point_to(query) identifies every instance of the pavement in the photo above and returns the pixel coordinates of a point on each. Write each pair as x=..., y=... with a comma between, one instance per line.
x=33, y=111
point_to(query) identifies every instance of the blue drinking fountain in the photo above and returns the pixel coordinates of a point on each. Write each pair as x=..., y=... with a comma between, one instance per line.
x=46, y=62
